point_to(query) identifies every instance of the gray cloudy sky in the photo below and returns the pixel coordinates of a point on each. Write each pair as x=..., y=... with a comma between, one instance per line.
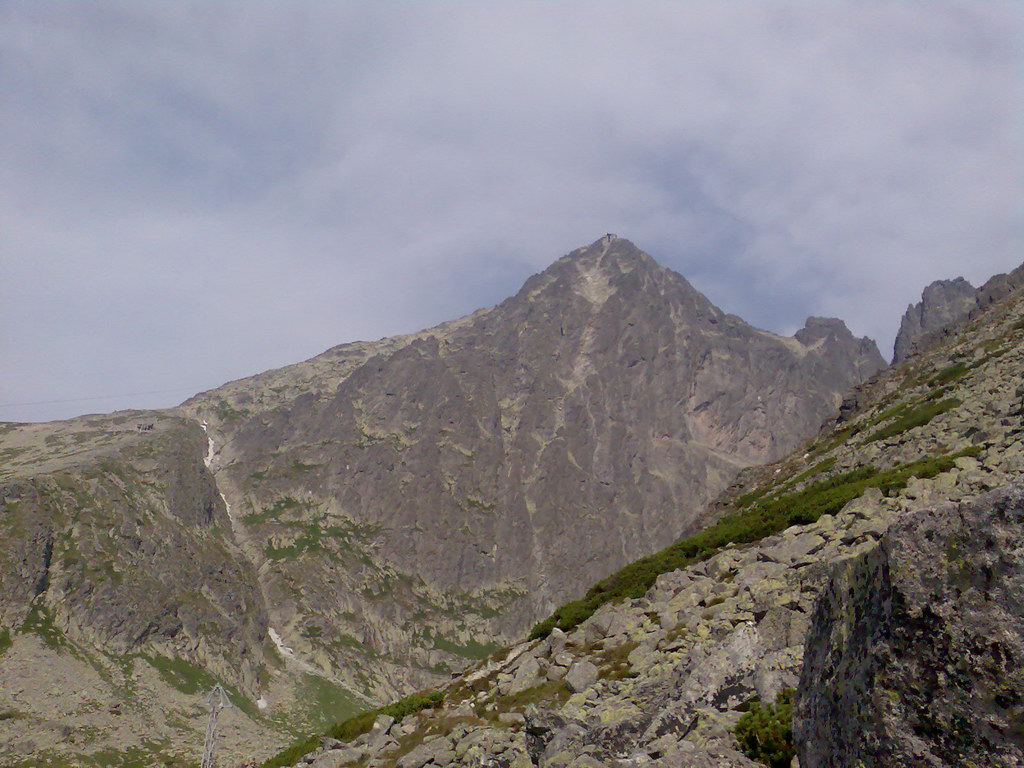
x=194, y=192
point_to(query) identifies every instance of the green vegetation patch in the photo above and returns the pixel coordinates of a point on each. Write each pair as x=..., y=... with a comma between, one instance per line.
x=914, y=417
x=275, y=510
x=40, y=622
x=837, y=439
x=950, y=374
x=149, y=754
x=5, y=641
x=180, y=674
x=471, y=650
x=749, y=498
x=191, y=680
x=765, y=732
x=745, y=526
x=307, y=542
x=327, y=701
x=356, y=726
x=817, y=469
x=227, y=412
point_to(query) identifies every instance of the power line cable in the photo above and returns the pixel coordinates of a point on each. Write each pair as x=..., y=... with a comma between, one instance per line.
x=100, y=397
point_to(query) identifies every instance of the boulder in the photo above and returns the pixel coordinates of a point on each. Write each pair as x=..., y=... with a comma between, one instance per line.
x=581, y=676
x=915, y=648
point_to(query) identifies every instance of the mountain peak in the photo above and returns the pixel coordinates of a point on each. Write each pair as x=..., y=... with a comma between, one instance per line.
x=610, y=246
x=609, y=265
x=942, y=303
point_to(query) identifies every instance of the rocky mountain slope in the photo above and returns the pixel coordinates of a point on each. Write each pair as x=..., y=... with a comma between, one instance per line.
x=380, y=515
x=423, y=497
x=122, y=592
x=869, y=582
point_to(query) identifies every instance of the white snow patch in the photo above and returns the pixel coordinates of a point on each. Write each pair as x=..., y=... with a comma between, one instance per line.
x=283, y=649
x=288, y=654
x=261, y=703
x=227, y=506
x=208, y=459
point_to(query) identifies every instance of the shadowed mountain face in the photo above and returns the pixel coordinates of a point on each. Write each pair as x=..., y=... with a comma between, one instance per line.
x=476, y=474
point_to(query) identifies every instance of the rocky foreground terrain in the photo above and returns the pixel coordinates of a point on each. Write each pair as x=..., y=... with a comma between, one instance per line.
x=855, y=604
x=325, y=537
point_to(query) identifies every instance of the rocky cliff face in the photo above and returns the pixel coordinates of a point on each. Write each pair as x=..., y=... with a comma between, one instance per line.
x=942, y=303
x=854, y=529
x=424, y=496
x=120, y=586
x=913, y=653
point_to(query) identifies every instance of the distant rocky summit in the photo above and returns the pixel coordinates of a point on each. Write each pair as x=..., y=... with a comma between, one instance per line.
x=942, y=303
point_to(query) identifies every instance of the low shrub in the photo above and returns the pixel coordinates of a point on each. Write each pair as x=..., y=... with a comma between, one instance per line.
x=765, y=732
x=916, y=417
x=356, y=726
x=949, y=375
x=748, y=525
x=817, y=469
x=753, y=523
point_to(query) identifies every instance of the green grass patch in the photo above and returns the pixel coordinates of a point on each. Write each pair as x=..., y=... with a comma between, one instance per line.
x=274, y=511
x=227, y=412
x=749, y=498
x=765, y=732
x=833, y=442
x=180, y=674
x=327, y=702
x=817, y=469
x=5, y=641
x=40, y=622
x=309, y=541
x=949, y=375
x=471, y=650
x=192, y=681
x=356, y=726
x=914, y=417
x=552, y=691
x=293, y=753
x=151, y=753
x=748, y=525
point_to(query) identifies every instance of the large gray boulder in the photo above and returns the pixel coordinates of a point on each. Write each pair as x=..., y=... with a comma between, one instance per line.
x=915, y=651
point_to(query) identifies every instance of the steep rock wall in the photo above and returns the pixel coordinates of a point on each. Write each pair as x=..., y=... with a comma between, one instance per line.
x=914, y=652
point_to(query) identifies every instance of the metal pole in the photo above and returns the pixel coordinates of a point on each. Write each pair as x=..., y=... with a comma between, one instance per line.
x=218, y=700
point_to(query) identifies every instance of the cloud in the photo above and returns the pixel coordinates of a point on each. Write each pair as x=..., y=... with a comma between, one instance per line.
x=194, y=192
